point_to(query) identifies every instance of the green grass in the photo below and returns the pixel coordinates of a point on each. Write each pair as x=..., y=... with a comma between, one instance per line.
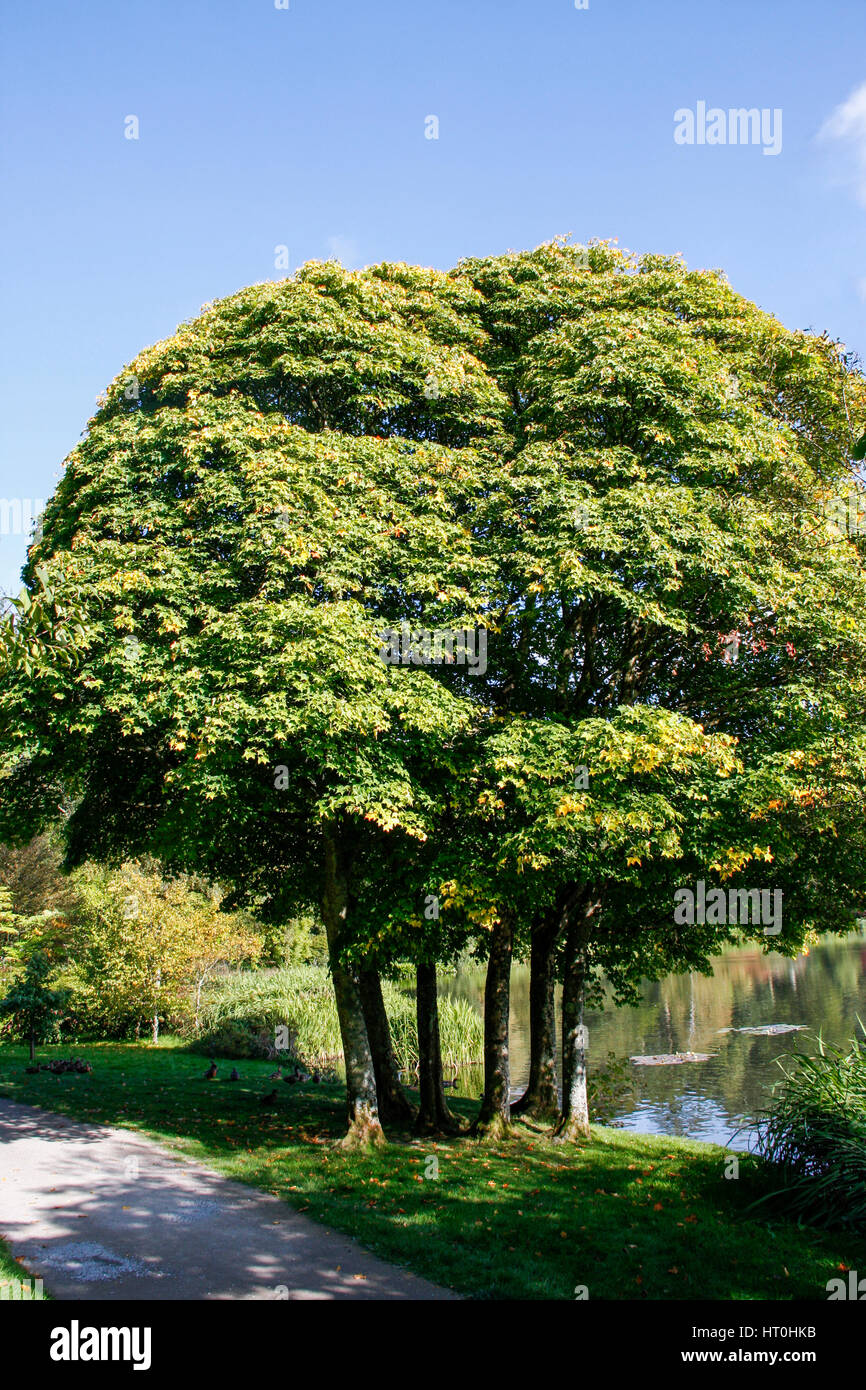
x=627, y=1216
x=11, y=1270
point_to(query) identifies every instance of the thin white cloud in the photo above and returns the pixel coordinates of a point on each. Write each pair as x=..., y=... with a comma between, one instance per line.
x=846, y=126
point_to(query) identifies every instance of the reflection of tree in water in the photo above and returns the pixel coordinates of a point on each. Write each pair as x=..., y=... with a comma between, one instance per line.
x=684, y=1013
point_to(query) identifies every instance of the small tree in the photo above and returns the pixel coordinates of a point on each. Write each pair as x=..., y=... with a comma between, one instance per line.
x=144, y=942
x=31, y=1007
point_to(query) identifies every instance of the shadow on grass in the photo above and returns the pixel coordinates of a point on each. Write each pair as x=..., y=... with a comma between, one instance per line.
x=627, y=1216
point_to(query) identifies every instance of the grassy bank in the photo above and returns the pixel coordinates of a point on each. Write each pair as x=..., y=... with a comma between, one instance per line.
x=627, y=1216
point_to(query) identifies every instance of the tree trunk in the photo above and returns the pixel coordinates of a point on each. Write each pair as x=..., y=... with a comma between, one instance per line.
x=32, y=1045
x=156, y=1008
x=434, y=1117
x=394, y=1105
x=494, y=1116
x=361, y=1098
x=540, y=1098
x=573, y=1120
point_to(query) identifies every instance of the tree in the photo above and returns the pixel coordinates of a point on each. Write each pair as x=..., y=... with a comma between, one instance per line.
x=218, y=938
x=662, y=544
x=33, y=874
x=618, y=467
x=396, y=917
x=145, y=943
x=31, y=1006
x=295, y=476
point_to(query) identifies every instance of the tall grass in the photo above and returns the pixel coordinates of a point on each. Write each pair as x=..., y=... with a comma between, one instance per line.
x=815, y=1137
x=301, y=998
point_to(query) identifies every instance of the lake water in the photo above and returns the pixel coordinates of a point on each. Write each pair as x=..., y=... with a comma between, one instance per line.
x=824, y=989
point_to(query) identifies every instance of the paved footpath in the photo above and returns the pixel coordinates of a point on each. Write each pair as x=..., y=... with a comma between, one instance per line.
x=101, y=1213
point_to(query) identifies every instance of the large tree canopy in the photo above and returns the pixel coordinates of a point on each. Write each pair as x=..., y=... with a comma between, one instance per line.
x=620, y=468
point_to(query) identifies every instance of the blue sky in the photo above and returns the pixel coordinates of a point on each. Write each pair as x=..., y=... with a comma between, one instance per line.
x=305, y=127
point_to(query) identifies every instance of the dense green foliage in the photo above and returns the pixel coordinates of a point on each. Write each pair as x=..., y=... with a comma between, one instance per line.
x=32, y=1008
x=815, y=1137
x=143, y=947
x=125, y=946
x=615, y=465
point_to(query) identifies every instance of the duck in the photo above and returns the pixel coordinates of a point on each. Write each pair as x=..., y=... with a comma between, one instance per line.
x=277, y=1075
x=235, y=1076
x=210, y=1074
x=453, y=1082
x=316, y=1078
x=269, y=1099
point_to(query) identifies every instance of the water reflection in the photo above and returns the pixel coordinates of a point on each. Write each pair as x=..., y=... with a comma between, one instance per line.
x=825, y=990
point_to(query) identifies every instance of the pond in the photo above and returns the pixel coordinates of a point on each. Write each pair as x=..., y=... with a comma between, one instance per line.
x=825, y=990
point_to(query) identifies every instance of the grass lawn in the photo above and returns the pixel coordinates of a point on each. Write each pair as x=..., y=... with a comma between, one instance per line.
x=629, y=1217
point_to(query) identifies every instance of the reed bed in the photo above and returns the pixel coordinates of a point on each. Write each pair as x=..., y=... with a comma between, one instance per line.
x=814, y=1137
x=301, y=998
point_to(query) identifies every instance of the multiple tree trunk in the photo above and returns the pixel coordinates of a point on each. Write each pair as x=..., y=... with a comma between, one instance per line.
x=373, y=1089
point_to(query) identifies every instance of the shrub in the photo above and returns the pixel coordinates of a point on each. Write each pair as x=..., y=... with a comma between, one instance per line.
x=814, y=1137
x=239, y=1039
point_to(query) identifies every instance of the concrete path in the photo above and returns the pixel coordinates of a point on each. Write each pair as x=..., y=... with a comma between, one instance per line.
x=100, y=1213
